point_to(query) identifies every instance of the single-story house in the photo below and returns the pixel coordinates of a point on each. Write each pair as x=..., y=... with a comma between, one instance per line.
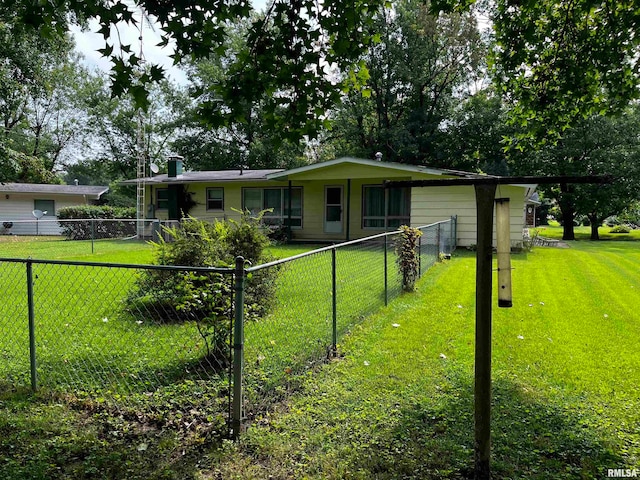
x=337, y=200
x=19, y=201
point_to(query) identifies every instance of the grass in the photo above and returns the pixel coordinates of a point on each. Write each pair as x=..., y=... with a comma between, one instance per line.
x=104, y=251
x=555, y=231
x=58, y=248
x=398, y=404
x=106, y=375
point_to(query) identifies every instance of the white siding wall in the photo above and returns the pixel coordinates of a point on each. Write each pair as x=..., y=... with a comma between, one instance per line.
x=18, y=207
x=432, y=204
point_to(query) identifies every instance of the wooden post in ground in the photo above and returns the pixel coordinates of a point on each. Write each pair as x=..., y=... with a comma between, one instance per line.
x=485, y=195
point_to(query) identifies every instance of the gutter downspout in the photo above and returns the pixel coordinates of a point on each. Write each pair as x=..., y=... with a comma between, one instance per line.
x=348, y=207
x=289, y=232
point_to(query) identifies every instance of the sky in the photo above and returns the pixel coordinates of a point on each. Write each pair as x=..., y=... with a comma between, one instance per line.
x=88, y=42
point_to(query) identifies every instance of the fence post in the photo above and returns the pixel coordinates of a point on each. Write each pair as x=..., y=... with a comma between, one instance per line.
x=438, y=246
x=238, y=348
x=93, y=232
x=420, y=256
x=386, y=273
x=334, y=302
x=454, y=232
x=32, y=327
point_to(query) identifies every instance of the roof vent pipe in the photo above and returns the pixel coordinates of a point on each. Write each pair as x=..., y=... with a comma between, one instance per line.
x=75, y=182
x=379, y=156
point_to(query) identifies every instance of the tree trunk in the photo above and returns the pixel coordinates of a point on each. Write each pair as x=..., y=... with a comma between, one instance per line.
x=594, y=227
x=567, y=220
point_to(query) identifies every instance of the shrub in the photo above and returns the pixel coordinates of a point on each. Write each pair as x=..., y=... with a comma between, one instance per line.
x=83, y=222
x=408, y=257
x=612, y=221
x=279, y=233
x=206, y=297
x=620, y=229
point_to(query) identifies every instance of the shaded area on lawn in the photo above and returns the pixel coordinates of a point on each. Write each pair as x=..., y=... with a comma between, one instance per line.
x=532, y=437
x=167, y=435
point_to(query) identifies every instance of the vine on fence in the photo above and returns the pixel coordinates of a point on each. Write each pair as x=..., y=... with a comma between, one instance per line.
x=408, y=256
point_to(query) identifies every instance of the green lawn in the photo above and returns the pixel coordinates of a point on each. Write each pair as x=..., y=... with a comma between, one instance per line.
x=104, y=251
x=584, y=233
x=398, y=404
x=58, y=248
x=566, y=369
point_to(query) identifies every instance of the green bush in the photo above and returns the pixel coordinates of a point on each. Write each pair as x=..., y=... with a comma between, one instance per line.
x=206, y=297
x=84, y=222
x=408, y=257
x=620, y=229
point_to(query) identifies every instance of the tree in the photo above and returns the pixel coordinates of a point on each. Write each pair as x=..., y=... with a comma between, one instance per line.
x=598, y=146
x=21, y=168
x=39, y=79
x=418, y=71
x=113, y=127
x=560, y=62
x=292, y=47
x=475, y=133
x=243, y=142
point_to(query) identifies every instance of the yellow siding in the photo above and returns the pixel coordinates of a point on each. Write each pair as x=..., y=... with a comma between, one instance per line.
x=428, y=205
x=232, y=198
x=353, y=171
x=432, y=204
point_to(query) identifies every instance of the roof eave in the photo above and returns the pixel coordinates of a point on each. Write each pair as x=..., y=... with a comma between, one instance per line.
x=284, y=175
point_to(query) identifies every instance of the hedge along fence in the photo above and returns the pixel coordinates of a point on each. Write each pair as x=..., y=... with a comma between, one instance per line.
x=88, y=222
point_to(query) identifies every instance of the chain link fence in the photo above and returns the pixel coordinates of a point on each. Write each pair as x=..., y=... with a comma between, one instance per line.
x=115, y=331
x=57, y=238
x=321, y=295
x=110, y=331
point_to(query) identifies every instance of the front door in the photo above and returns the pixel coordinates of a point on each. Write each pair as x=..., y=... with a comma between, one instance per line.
x=333, y=209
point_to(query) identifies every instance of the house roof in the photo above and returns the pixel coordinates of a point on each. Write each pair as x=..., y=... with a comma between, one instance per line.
x=285, y=174
x=282, y=174
x=94, y=191
x=210, y=176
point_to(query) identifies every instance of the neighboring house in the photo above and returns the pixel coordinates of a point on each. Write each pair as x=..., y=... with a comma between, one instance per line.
x=338, y=200
x=530, y=213
x=19, y=200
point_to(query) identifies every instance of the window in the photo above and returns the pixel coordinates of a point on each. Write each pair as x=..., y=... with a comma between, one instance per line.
x=162, y=199
x=373, y=207
x=215, y=198
x=48, y=207
x=257, y=199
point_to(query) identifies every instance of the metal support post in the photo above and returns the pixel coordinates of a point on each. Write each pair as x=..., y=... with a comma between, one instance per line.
x=420, y=255
x=238, y=348
x=334, y=302
x=386, y=273
x=32, y=328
